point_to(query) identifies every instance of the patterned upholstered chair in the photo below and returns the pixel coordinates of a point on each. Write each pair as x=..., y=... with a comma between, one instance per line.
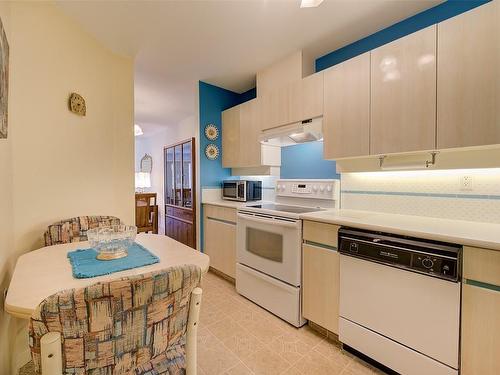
x=75, y=229
x=138, y=325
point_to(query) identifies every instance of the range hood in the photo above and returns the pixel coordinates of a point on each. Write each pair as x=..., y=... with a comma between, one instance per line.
x=292, y=134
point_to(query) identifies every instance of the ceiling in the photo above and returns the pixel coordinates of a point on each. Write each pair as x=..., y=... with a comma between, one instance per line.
x=177, y=43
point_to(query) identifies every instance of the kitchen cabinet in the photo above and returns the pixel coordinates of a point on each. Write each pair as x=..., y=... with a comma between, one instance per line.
x=346, y=118
x=480, y=307
x=294, y=101
x=403, y=94
x=180, y=195
x=320, y=275
x=241, y=147
x=276, y=107
x=231, y=137
x=249, y=143
x=219, y=227
x=468, y=79
x=291, y=68
x=311, y=97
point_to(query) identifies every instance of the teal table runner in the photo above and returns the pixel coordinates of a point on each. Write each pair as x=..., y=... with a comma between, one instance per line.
x=85, y=264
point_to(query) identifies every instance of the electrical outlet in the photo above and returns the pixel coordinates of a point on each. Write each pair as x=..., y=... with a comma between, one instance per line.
x=466, y=183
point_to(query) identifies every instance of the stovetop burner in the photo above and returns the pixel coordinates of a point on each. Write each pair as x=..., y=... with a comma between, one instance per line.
x=285, y=208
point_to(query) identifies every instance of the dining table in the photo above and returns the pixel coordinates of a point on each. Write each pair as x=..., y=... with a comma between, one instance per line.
x=43, y=272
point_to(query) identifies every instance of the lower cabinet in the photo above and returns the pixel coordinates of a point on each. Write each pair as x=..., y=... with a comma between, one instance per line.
x=180, y=225
x=320, y=290
x=320, y=275
x=480, y=330
x=220, y=238
x=481, y=312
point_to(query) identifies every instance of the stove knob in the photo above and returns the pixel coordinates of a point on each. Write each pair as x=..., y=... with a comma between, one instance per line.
x=322, y=188
x=329, y=188
x=427, y=263
x=278, y=187
x=315, y=188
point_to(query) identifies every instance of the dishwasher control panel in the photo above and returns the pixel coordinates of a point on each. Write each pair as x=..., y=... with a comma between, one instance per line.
x=438, y=259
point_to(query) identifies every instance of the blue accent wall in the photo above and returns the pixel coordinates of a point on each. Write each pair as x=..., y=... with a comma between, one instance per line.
x=306, y=161
x=213, y=100
x=417, y=22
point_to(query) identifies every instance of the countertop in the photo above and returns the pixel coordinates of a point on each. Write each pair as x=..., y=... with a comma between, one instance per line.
x=468, y=233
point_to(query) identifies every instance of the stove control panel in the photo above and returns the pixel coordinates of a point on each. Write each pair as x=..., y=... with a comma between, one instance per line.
x=314, y=189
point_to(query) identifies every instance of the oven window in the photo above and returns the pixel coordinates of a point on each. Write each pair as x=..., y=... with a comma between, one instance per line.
x=265, y=244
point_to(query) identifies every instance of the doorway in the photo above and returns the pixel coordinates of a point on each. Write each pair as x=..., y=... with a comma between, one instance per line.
x=180, y=192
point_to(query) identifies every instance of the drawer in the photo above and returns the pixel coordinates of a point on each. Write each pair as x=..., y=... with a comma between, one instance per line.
x=322, y=233
x=482, y=265
x=220, y=213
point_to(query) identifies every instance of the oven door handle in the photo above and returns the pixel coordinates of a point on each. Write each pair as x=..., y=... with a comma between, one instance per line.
x=281, y=223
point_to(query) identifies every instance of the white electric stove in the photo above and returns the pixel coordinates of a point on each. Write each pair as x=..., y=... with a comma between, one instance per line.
x=269, y=245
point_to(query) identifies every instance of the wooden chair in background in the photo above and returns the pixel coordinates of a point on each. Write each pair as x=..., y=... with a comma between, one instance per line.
x=146, y=212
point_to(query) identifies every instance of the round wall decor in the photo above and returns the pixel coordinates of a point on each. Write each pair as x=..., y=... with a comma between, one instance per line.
x=77, y=104
x=212, y=151
x=211, y=132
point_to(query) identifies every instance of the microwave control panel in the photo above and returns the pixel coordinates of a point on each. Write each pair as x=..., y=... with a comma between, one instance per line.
x=314, y=189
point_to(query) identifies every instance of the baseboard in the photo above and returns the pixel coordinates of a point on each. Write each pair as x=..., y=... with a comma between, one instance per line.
x=223, y=275
x=333, y=337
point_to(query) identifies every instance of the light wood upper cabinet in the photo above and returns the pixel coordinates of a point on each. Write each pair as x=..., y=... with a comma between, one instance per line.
x=241, y=147
x=240, y=132
x=275, y=107
x=294, y=101
x=346, y=118
x=468, y=79
x=311, y=96
x=230, y=137
x=403, y=94
x=249, y=143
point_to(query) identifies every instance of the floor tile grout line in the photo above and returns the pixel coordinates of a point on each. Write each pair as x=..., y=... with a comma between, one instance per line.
x=221, y=292
x=242, y=363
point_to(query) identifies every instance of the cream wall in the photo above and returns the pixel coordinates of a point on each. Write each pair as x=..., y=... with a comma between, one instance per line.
x=55, y=164
x=153, y=145
x=7, y=330
x=66, y=165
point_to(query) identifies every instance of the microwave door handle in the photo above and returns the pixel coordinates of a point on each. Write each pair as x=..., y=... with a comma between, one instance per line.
x=281, y=223
x=244, y=197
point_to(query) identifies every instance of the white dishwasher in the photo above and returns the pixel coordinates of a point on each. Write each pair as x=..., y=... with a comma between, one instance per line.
x=400, y=301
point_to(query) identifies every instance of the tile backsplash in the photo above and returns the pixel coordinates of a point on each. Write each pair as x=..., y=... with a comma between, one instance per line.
x=437, y=193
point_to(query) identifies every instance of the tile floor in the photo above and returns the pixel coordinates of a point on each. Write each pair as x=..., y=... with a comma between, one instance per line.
x=237, y=337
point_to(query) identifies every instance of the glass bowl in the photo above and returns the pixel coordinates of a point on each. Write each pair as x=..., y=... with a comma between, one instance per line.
x=112, y=242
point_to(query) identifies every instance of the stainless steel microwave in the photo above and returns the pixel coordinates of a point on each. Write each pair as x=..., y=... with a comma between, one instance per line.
x=242, y=190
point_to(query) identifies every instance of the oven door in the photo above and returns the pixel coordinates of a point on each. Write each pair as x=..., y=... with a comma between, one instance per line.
x=270, y=245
